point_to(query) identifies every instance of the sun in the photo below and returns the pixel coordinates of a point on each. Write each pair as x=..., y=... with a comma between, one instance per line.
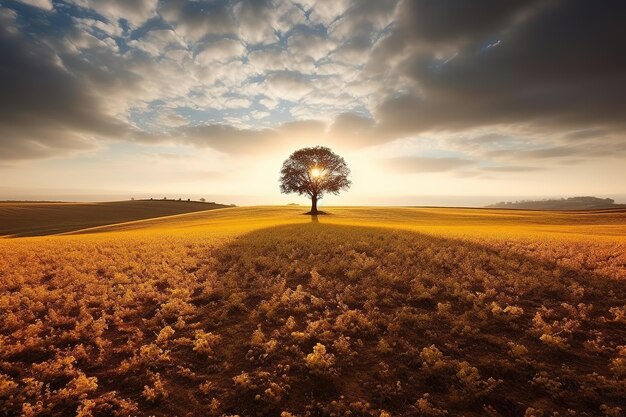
x=316, y=172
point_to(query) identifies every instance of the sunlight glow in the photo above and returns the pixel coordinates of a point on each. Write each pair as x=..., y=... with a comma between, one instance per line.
x=316, y=172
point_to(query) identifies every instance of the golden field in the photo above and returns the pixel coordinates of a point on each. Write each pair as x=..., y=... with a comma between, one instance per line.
x=261, y=311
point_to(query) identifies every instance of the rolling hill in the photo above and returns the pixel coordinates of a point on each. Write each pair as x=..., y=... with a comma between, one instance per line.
x=45, y=218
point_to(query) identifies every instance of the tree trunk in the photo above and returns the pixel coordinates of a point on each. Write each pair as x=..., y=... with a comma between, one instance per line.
x=314, y=205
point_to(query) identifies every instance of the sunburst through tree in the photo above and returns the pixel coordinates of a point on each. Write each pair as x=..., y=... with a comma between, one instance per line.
x=314, y=172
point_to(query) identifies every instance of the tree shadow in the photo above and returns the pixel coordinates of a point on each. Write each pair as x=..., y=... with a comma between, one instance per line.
x=410, y=290
x=319, y=213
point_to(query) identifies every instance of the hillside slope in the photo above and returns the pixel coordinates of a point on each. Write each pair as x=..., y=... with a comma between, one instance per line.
x=42, y=218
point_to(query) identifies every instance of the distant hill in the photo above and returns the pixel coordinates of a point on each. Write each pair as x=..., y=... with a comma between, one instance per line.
x=572, y=203
x=45, y=218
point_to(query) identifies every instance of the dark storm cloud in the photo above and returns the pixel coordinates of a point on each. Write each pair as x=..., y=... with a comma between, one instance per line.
x=563, y=65
x=44, y=110
x=447, y=21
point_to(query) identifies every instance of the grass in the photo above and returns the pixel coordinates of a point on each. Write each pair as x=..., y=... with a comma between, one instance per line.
x=365, y=312
x=45, y=218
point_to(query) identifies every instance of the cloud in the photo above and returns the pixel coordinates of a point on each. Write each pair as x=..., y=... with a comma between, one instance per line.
x=416, y=164
x=42, y=4
x=289, y=84
x=543, y=153
x=104, y=82
x=199, y=19
x=326, y=12
x=159, y=41
x=236, y=140
x=512, y=169
x=256, y=21
x=353, y=50
x=364, y=19
x=354, y=130
x=288, y=15
x=220, y=50
x=226, y=138
x=507, y=83
x=314, y=46
x=505, y=145
x=453, y=21
x=562, y=67
x=584, y=134
x=274, y=58
x=136, y=12
x=44, y=110
x=560, y=152
x=169, y=118
x=94, y=25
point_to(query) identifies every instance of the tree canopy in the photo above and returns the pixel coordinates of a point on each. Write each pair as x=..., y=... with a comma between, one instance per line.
x=314, y=172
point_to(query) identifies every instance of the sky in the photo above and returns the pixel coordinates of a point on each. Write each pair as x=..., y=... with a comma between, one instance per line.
x=448, y=102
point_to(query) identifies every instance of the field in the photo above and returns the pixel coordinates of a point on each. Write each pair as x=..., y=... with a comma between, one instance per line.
x=45, y=218
x=261, y=311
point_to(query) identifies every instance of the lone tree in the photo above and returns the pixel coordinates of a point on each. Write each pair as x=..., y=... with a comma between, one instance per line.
x=314, y=172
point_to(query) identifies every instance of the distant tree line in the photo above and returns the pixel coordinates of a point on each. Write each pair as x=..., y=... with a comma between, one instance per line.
x=572, y=203
x=201, y=200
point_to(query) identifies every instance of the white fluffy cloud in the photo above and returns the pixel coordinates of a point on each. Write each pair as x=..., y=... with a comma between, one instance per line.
x=222, y=50
x=326, y=12
x=310, y=45
x=159, y=41
x=256, y=20
x=289, y=85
